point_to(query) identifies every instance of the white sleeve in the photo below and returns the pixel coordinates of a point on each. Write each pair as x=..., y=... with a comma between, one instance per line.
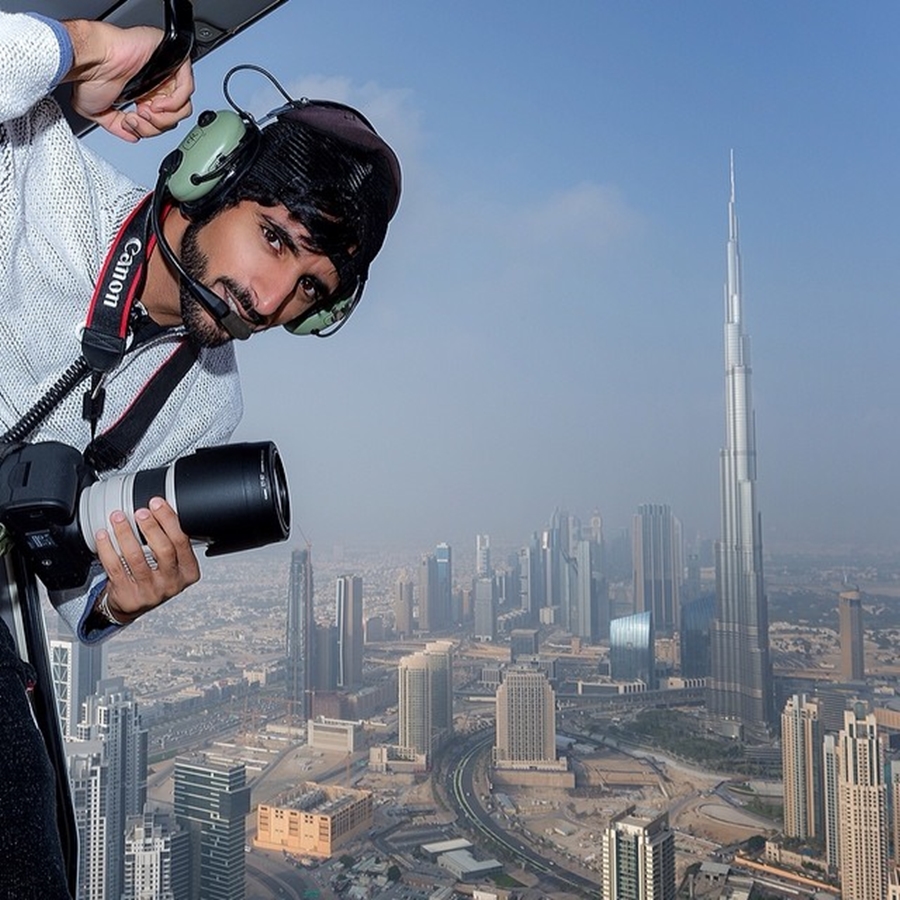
x=32, y=59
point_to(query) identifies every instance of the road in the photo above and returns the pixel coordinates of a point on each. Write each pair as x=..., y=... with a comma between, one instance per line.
x=464, y=798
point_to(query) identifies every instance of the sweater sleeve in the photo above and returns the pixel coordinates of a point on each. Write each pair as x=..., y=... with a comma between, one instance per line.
x=33, y=59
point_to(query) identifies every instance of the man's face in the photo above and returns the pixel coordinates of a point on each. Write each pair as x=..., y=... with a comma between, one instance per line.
x=254, y=257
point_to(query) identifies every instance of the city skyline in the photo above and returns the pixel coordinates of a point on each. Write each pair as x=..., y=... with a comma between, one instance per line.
x=540, y=330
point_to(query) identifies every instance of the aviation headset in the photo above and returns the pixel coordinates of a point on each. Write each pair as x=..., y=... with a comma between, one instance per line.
x=201, y=172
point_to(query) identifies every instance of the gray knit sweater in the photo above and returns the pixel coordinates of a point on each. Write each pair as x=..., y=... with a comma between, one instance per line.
x=60, y=210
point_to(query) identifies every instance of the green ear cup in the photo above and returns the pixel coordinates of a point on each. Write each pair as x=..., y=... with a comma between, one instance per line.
x=208, y=147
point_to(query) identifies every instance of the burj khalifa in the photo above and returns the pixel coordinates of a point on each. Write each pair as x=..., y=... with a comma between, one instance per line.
x=739, y=696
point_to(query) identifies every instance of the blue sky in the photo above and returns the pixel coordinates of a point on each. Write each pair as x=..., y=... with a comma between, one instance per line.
x=544, y=326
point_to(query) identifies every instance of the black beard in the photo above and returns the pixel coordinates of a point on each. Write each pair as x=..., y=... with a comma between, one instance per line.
x=201, y=327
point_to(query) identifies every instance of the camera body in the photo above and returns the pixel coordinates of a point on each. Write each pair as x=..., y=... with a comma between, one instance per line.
x=233, y=497
x=40, y=485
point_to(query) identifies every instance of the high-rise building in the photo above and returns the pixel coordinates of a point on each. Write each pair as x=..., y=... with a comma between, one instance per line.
x=658, y=565
x=862, y=804
x=696, y=619
x=485, y=609
x=483, y=556
x=740, y=693
x=425, y=698
x=108, y=771
x=853, y=659
x=443, y=559
x=348, y=614
x=801, y=757
x=403, y=607
x=157, y=858
x=894, y=805
x=76, y=670
x=589, y=613
x=212, y=799
x=531, y=582
x=301, y=635
x=632, y=649
x=526, y=718
x=831, y=813
x=638, y=858
x=429, y=611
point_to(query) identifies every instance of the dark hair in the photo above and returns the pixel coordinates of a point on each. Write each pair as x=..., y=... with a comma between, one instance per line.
x=342, y=192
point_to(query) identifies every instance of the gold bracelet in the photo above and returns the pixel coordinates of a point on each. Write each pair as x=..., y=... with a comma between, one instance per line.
x=102, y=607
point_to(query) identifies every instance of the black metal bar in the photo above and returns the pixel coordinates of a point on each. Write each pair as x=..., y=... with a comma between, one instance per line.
x=20, y=608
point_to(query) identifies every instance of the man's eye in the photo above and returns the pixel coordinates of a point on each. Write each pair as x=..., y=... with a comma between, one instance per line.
x=272, y=237
x=311, y=287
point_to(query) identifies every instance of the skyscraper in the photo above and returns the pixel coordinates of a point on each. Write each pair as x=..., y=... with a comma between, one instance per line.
x=301, y=642
x=862, y=802
x=76, y=669
x=632, y=649
x=443, y=559
x=740, y=685
x=429, y=611
x=425, y=704
x=638, y=858
x=108, y=764
x=483, y=556
x=832, y=815
x=658, y=564
x=349, y=619
x=526, y=717
x=157, y=858
x=853, y=659
x=485, y=609
x=212, y=799
x=403, y=607
x=801, y=757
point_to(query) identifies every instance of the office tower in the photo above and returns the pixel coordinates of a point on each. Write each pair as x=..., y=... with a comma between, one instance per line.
x=425, y=692
x=91, y=801
x=440, y=663
x=111, y=736
x=483, y=556
x=894, y=806
x=403, y=607
x=325, y=673
x=301, y=635
x=696, y=620
x=631, y=649
x=657, y=555
x=853, y=659
x=531, y=581
x=801, y=760
x=374, y=629
x=76, y=668
x=589, y=614
x=740, y=684
x=692, y=586
x=523, y=642
x=443, y=559
x=638, y=858
x=526, y=718
x=348, y=614
x=831, y=813
x=485, y=609
x=157, y=858
x=862, y=804
x=212, y=799
x=429, y=614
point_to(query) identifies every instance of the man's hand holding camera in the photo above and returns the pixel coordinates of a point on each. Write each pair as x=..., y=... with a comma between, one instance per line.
x=136, y=585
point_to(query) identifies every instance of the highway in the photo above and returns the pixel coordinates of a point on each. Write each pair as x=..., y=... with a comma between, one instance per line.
x=460, y=769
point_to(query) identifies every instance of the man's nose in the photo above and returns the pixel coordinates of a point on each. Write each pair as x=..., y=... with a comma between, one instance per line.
x=274, y=292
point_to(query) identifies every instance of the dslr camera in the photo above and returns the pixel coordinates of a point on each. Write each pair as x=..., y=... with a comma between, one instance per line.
x=233, y=497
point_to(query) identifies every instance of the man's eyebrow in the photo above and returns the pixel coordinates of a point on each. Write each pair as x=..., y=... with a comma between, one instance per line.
x=283, y=234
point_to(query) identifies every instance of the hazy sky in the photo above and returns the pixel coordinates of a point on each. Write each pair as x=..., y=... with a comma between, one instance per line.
x=544, y=326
